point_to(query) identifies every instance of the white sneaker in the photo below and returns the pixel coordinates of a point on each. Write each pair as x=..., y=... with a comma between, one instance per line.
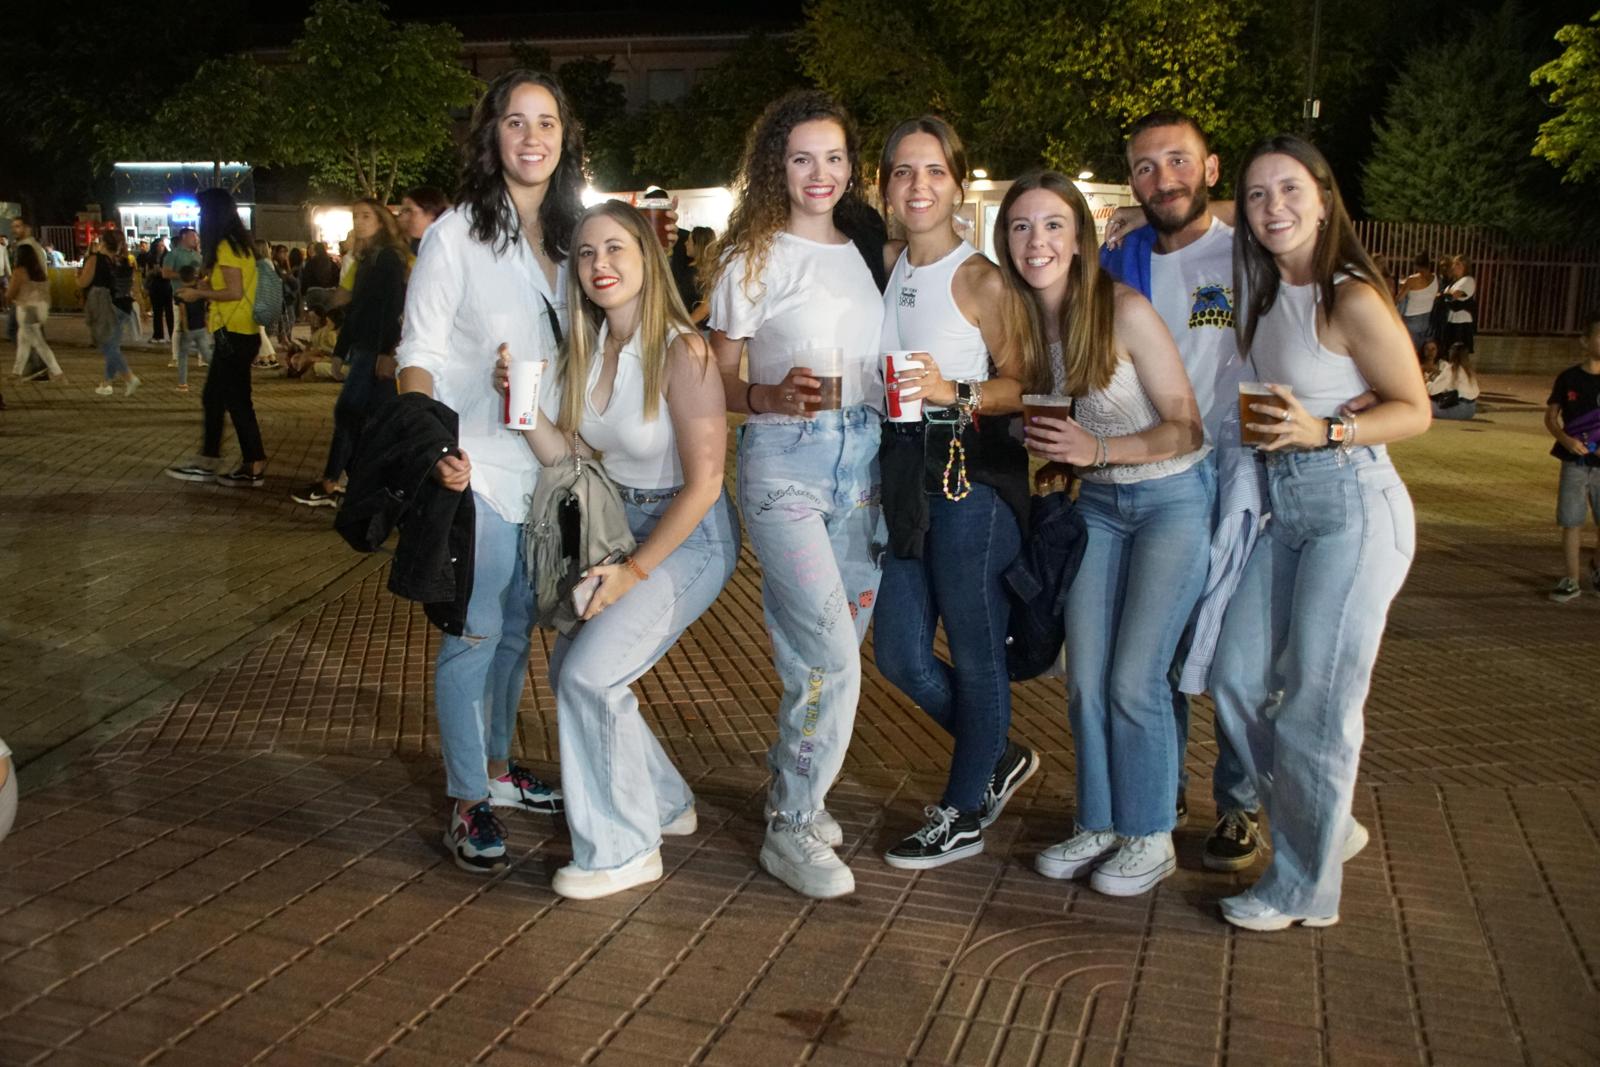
x=795, y=854
x=130, y=385
x=1139, y=863
x=685, y=824
x=824, y=824
x=1354, y=842
x=575, y=883
x=1250, y=913
x=1076, y=854
x=104, y=389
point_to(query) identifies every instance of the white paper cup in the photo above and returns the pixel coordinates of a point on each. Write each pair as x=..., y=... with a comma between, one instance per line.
x=901, y=407
x=522, y=394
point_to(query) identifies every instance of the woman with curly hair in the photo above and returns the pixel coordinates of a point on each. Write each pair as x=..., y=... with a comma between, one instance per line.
x=492, y=272
x=786, y=281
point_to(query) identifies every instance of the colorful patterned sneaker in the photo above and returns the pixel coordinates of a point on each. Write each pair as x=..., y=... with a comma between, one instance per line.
x=521, y=788
x=795, y=854
x=1070, y=858
x=1234, y=843
x=1138, y=865
x=1015, y=767
x=947, y=836
x=578, y=883
x=475, y=838
x=1564, y=591
x=1249, y=913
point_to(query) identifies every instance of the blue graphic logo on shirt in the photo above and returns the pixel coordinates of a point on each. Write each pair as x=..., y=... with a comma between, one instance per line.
x=1213, y=306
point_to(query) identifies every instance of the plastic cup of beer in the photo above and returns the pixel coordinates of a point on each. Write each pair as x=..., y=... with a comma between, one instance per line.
x=522, y=394
x=826, y=366
x=1045, y=406
x=654, y=209
x=901, y=406
x=1255, y=393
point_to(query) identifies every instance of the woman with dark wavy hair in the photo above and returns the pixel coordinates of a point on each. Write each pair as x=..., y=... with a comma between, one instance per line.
x=492, y=271
x=1301, y=634
x=787, y=282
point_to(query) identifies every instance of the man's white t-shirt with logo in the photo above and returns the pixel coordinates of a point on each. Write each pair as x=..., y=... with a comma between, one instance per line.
x=1192, y=290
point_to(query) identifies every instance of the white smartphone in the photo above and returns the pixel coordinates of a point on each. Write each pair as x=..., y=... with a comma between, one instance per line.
x=583, y=592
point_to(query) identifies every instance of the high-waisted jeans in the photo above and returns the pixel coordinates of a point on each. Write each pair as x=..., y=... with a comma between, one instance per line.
x=968, y=544
x=1142, y=572
x=620, y=786
x=810, y=496
x=1295, y=656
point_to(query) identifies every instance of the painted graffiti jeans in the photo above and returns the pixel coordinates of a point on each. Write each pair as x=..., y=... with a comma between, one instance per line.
x=1295, y=657
x=809, y=492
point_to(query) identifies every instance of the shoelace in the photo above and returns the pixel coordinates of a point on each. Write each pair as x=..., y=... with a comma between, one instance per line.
x=525, y=779
x=811, y=842
x=1131, y=851
x=484, y=826
x=937, y=827
x=1236, y=828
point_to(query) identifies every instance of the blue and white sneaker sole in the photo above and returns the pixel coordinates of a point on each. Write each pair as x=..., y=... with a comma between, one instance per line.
x=472, y=864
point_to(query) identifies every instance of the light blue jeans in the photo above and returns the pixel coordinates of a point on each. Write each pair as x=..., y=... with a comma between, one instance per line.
x=809, y=492
x=479, y=676
x=1142, y=572
x=1295, y=656
x=619, y=786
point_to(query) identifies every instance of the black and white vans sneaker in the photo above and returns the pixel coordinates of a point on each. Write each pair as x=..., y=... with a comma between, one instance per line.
x=947, y=836
x=521, y=788
x=1234, y=843
x=475, y=838
x=1015, y=767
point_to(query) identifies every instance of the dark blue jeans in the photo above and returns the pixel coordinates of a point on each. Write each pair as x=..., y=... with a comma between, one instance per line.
x=359, y=397
x=968, y=544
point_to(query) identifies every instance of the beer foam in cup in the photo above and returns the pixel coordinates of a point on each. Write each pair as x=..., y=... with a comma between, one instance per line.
x=901, y=406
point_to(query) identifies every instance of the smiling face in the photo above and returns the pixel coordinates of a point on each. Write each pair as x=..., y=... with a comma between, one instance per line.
x=1170, y=174
x=364, y=223
x=816, y=167
x=1284, y=206
x=610, y=262
x=921, y=191
x=1041, y=239
x=530, y=136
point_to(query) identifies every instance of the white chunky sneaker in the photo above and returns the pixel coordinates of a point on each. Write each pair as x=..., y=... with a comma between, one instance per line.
x=795, y=854
x=1354, y=842
x=1139, y=863
x=576, y=883
x=686, y=823
x=1250, y=913
x=1076, y=854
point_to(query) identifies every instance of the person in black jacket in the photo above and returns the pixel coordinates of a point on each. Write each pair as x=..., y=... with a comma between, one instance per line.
x=367, y=340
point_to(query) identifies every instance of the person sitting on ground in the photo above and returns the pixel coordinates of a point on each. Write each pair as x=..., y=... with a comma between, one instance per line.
x=1572, y=416
x=1453, y=385
x=316, y=358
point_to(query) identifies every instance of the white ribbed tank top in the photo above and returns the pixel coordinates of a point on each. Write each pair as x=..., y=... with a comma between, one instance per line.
x=1286, y=351
x=920, y=315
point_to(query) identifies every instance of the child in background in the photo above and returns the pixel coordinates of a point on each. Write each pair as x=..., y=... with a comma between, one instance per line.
x=316, y=359
x=192, y=333
x=1573, y=419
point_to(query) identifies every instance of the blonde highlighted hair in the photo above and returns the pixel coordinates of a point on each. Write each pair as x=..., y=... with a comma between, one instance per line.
x=662, y=318
x=1087, y=326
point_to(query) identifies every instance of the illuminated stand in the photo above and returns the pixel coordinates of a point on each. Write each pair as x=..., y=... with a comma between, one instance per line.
x=158, y=199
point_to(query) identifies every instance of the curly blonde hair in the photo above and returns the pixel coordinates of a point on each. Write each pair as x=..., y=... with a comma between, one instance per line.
x=761, y=191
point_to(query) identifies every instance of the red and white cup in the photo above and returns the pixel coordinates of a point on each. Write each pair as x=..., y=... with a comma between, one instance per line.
x=522, y=394
x=901, y=405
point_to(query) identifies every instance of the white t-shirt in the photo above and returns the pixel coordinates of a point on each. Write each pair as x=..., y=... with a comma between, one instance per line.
x=1447, y=377
x=1462, y=287
x=810, y=295
x=1192, y=290
x=637, y=453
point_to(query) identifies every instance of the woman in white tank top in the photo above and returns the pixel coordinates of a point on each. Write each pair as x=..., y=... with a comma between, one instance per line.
x=1295, y=656
x=1416, y=298
x=947, y=549
x=636, y=382
x=1135, y=439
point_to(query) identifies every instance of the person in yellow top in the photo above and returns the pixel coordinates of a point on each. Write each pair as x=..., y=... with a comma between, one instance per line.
x=230, y=290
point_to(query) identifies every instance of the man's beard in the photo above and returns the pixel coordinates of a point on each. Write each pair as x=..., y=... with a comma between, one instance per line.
x=1198, y=200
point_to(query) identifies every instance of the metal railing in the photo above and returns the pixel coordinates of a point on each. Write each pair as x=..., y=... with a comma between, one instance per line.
x=1523, y=288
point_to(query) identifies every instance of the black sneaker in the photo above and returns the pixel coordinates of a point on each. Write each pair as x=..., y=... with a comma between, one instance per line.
x=314, y=496
x=476, y=839
x=521, y=788
x=1234, y=842
x=1182, y=817
x=947, y=836
x=242, y=479
x=192, y=472
x=1014, y=768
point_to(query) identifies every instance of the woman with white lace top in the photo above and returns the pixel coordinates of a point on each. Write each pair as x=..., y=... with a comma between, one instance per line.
x=1134, y=439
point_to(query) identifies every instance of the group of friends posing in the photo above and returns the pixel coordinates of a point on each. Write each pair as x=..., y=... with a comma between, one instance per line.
x=1283, y=628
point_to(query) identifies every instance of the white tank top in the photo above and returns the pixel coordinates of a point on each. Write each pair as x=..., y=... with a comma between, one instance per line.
x=1286, y=351
x=1120, y=409
x=1420, y=301
x=920, y=315
x=637, y=453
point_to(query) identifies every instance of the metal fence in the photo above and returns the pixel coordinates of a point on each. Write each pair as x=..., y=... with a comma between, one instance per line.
x=1524, y=289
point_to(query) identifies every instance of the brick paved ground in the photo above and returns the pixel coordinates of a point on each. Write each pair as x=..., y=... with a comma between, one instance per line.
x=248, y=870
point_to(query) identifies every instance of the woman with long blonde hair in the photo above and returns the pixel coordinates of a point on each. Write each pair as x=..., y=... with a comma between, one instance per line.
x=1135, y=441
x=789, y=287
x=636, y=385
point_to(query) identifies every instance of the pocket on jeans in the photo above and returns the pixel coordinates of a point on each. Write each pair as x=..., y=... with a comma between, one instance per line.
x=766, y=439
x=1314, y=509
x=1403, y=516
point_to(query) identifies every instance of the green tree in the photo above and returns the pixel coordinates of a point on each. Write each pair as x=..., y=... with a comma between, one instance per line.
x=371, y=101
x=1453, y=143
x=1571, y=140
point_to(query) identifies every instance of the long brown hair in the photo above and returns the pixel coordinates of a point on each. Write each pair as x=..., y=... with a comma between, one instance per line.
x=761, y=189
x=1338, y=250
x=388, y=235
x=662, y=318
x=955, y=153
x=1088, y=314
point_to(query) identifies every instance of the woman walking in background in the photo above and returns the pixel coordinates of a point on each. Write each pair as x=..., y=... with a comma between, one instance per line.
x=96, y=278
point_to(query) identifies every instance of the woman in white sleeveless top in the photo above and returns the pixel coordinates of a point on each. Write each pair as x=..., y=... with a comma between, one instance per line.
x=637, y=385
x=1301, y=634
x=1416, y=298
x=948, y=303
x=1135, y=440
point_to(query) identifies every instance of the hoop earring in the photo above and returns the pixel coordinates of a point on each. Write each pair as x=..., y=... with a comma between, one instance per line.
x=1322, y=224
